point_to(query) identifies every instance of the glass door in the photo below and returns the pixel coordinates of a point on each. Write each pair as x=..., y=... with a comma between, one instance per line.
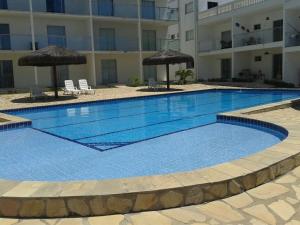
x=57, y=36
x=3, y=4
x=277, y=67
x=6, y=74
x=149, y=40
x=109, y=71
x=278, y=30
x=107, y=39
x=226, y=68
x=105, y=7
x=148, y=9
x=4, y=37
x=55, y=6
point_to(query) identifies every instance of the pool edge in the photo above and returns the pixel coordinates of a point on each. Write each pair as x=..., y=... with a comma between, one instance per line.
x=95, y=198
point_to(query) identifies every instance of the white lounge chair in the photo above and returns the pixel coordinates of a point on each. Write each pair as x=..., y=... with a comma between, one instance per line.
x=70, y=88
x=85, y=88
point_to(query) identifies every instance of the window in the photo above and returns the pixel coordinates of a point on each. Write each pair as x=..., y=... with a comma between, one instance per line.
x=189, y=7
x=4, y=37
x=173, y=36
x=109, y=71
x=107, y=39
x=257, y=58
x=56, y=6
x=57, y=36
x=189, y=35
x=6, y=74
x=257, y=27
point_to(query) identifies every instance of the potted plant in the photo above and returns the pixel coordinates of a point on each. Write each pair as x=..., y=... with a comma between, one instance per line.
x=183, y=75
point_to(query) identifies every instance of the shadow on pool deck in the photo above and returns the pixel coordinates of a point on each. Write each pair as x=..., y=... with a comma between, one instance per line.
x=44, y=99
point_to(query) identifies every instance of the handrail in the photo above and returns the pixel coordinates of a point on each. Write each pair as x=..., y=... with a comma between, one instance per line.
x=229, y=7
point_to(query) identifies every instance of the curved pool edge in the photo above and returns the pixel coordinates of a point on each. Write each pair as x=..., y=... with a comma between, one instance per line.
x=29, y=199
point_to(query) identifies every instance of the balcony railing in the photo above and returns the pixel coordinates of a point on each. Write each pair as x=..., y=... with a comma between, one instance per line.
x=292, y=36
x=15, y=42
x=114, y=10
x=116, y=44
x=160, y=44
x=16, y=5
x=214, y=45
x=229, y=7
x=76, y=43
x=159, y=13
x=78, y=7
x=258, y=37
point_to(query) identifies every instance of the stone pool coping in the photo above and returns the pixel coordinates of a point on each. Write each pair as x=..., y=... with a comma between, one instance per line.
x=29, y=199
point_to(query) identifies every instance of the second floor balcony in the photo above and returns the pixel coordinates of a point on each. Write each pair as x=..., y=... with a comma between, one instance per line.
x=292, y=36
x=15, y=42
x=123, y=44
x=160, y=44
x=214, y=45
x=259, y=37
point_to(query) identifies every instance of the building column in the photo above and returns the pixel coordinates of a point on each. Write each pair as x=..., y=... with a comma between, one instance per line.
x=91, y=23
x=33, y=40
x=140, y=41
x=196, y=17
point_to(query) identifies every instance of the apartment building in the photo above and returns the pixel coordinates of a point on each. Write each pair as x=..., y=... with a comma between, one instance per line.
x=250, y=39
x=115, y=36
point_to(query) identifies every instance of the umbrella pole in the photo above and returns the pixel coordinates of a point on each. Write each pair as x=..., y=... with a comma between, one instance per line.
x=55, y=81
x=168, y=77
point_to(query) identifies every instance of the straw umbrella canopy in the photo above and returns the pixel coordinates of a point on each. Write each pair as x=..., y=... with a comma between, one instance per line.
x=52, y=56
x=167, y=57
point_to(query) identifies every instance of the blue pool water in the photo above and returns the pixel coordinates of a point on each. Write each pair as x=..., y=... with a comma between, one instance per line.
x=133, y=137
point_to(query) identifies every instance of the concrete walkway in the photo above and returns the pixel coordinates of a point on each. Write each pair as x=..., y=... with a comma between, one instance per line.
x=274, y=203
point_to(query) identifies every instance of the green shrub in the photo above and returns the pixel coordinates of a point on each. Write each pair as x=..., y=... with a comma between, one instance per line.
x=183, y=75
x=134, y=81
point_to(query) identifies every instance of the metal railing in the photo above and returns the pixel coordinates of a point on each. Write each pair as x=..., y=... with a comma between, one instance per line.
x=229, y=7
x=160, y=44
x=213, y=45
x=78, y=7
x=292, y=36
x=117, y=10
x=159, y=13
x=258, y=37
x=17, y=5
x=15, y=42
x=125, y=44
x=82, y=43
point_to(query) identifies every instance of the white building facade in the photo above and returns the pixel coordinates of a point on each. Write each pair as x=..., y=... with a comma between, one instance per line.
x=250, y=40
x=115, y=36
x=240, y=39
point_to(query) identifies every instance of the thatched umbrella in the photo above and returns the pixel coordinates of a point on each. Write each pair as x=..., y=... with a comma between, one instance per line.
x=167, y=57
x=52, y=56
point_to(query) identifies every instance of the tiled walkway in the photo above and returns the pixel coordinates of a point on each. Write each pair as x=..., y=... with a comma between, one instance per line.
x=274, y=203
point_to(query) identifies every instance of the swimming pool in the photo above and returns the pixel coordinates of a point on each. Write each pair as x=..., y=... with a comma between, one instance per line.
x=134, y=137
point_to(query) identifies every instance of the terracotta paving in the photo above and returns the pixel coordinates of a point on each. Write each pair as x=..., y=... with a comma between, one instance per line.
x=277, y=202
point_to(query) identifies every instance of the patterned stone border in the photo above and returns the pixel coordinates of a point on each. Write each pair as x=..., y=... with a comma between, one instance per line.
x=95, y=198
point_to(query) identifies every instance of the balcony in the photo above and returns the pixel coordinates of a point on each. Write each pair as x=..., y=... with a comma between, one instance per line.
x=114, y=10
x=160, y=44
x=259, y=37
x=159, y=13
x=214, y=45
x=116, y=44
x=292, y=36
x=76, y=7
x=229, y=7
x=15, y=42
x=75, y=43
x=14, y=5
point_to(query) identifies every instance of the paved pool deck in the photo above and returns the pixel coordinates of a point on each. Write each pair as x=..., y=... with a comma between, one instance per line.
x=276, y=202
